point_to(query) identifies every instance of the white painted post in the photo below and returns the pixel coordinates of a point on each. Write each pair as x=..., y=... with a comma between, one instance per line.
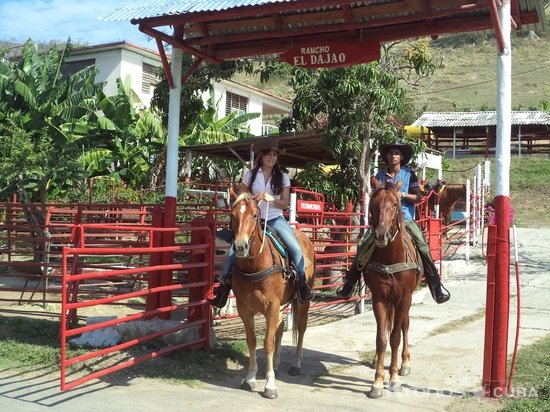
x=174, y=103
x=292, y=209
x=467, y=248
x=454, y=142
x=478, y=201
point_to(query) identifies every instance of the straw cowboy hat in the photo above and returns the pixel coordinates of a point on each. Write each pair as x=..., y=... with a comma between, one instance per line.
x=266, y=144
x=405, y=149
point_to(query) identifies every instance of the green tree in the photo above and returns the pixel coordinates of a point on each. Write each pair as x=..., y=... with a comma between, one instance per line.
x=127, y=144
x=193, y=85
x=357, y=107
x=46, y=110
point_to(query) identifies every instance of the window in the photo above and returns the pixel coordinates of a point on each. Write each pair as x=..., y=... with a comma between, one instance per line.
x=73, y=67
x=235, y=103
x=148, y=77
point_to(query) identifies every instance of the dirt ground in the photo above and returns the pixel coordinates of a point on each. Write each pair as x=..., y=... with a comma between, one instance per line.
x=447, y=345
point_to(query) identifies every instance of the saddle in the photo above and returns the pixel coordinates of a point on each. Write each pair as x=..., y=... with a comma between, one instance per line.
x=288, y=269
x=365, y=262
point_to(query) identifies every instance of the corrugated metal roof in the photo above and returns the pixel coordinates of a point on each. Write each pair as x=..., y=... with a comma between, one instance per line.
x=469, y=119
x=142, y=9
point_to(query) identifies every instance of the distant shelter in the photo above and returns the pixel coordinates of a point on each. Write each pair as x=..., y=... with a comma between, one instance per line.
x=474, y=133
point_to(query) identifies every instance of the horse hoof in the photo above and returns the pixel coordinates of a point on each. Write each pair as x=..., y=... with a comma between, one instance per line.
x=246, y=386
x=375, y=393
x=294, y=371
x=405, y=371
x=395, y=387
x=270, y=393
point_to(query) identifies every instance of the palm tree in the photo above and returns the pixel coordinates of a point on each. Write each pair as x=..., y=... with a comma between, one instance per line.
x=127, y=142
x=51, y=110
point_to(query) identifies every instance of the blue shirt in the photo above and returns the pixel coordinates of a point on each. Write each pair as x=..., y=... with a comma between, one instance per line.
x=410, y=181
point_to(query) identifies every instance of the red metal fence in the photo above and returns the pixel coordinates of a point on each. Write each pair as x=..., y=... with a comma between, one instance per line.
x=96, y=259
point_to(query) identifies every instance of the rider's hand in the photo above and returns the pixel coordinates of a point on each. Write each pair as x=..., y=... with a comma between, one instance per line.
x=268, y=197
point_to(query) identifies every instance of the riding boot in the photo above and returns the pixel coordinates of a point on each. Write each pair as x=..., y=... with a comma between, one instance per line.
x=439, y=293
x=305, y=293
x=221, y=293
x=352, y=277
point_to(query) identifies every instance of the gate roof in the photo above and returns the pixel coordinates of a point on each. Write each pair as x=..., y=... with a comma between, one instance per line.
x=299, y=149
x=216, y=30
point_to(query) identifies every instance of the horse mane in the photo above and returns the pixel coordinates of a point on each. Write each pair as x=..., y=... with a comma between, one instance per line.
x=243, y=196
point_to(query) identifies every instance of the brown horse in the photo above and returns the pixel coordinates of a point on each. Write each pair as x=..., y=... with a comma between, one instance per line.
x=447, y=196
x=261, y=284
x=394, y=271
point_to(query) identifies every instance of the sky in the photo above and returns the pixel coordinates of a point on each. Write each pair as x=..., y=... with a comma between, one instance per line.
x=57, y=20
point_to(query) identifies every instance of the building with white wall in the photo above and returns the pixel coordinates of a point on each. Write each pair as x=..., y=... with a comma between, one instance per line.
x=126, y=60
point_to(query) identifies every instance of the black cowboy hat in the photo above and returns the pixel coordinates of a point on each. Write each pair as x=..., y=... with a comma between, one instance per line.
x=405, y=149
x=266, y=144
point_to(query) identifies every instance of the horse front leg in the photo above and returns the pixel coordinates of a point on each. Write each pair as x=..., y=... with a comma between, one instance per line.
x=380, y=313
x=278, y=340
x=395, y=341
x=249, y=382
x=273, y=322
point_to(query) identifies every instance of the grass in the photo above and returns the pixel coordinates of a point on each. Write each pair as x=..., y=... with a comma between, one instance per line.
x=34, y=343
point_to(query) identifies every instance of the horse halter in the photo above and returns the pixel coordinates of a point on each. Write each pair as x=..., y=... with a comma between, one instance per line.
x=395, y=219
x=262, y=232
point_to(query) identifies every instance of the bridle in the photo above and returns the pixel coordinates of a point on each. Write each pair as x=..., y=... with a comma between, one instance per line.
x=395, y=220
x=257, y=233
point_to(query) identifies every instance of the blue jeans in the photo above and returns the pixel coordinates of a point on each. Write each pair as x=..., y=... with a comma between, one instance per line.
x=286, y=233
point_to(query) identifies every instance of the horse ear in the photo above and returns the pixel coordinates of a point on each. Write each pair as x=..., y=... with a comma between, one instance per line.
x=374, y=182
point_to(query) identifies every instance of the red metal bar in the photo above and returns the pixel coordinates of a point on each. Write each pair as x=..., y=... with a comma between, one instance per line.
x=168, y=239
x=155, y=259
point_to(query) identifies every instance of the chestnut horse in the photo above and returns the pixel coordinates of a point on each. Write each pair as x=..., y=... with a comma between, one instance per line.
x=262, y=283
x=392, y=274
x=447, y=196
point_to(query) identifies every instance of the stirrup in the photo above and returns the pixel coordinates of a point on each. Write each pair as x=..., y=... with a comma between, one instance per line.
x=442, y=297
x=221, y=294
x=346, y=290
x=310, y=293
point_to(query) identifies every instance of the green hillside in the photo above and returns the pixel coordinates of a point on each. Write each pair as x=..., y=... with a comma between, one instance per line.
x=466, y=78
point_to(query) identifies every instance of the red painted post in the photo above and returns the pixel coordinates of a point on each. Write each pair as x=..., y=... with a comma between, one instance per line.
x=153, y=278
x=168, y=239
x=201, y=274
x=489, y=309
x=502, y=296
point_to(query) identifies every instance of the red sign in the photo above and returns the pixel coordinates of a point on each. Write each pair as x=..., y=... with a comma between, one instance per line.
x=309, y=206
x=332, y=54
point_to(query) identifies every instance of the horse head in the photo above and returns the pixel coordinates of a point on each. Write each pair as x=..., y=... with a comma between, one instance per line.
x=244, y=222
x=384, y=212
